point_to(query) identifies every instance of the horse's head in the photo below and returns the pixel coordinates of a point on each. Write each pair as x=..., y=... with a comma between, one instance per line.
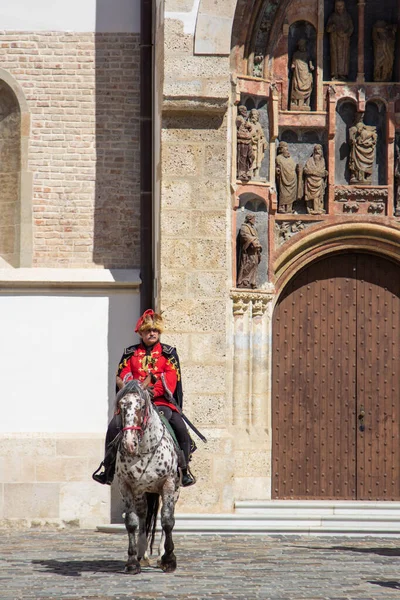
x=134, y=405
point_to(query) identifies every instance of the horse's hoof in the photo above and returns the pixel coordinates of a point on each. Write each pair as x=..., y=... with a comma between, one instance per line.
x=169, y=565
x=144, y=562
x=132, y=569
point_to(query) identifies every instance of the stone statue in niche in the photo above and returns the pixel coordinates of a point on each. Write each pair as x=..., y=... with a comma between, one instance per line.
x=384, y=38
x=258, y=140
x=397, y=181
x=286, y=176
x=245, y=156
x=250, y=251
x=362, y=139
x=340, y=29
x=315, y=175
x=302, y=78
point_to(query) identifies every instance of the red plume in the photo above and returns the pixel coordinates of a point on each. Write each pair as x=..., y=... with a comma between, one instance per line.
x=147, y=313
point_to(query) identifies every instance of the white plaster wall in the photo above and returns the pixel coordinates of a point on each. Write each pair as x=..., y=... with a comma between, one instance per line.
x=71, y=15
x=58, y=356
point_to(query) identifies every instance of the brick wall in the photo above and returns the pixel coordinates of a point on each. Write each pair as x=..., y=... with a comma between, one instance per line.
x=83, y=95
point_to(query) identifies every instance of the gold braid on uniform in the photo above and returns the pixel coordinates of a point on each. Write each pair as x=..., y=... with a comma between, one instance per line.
x=174, y=364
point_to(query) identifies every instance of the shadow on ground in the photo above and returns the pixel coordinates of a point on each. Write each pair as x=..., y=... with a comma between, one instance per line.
x=75, y=568
x=394, y=585
x=372, y=550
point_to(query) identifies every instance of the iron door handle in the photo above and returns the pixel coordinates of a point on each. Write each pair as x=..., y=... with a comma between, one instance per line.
x=361, y=416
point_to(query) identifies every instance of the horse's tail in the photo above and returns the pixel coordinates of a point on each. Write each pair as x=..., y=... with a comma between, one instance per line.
x=153, y=503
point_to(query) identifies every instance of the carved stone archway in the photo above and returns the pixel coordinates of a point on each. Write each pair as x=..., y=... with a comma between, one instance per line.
x=369, y=237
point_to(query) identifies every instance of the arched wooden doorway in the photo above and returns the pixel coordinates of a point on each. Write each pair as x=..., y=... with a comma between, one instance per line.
x=336, y=381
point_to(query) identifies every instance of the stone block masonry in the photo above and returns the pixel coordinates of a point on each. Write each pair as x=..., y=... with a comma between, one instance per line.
x=82, y=91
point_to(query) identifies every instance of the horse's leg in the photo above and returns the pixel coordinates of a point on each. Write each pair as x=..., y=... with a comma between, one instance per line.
x=131, y=524
x=141, y=511
x=168, y=559
x=161, y=548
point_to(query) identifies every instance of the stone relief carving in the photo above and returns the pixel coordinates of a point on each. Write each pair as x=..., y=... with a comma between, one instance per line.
x=262, y=37
x=351, y=207
x=302, y=78
x=315, y=175
x=250, y=251
x=258, y=65
x=362, y=139
x=287, y=179
x=284, y=230
x=245, y=156
x=397, y=181
x=340, y=29
x=384, y=37
x=376, y=208
x=258, y=140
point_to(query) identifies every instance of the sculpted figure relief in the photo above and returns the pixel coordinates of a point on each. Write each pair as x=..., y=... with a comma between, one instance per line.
x=315, y=175
x=340, y=28
x=363, y=139
x=302, y=78
x=397, y=181
x=245, y=156
x=286, y=175
x=249, y=254
x=384, y=37
x=259, y=142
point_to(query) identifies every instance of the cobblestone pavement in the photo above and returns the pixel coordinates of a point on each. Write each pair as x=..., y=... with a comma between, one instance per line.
x=70, y=564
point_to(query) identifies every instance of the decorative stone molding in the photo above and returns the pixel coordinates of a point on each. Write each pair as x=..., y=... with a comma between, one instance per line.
x=365, y=200
x=205, y=105
x=240, y=303
x=364, y=194
x=257, y=299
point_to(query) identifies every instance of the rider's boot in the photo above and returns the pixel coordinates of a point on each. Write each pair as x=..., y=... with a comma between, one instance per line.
x=105, y=472
x=106, y=467
x=187, y=478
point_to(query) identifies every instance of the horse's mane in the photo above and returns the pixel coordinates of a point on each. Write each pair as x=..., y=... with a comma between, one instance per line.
x=132, y=387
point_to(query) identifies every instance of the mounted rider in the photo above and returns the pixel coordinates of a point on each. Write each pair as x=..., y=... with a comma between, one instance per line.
x=158, y=364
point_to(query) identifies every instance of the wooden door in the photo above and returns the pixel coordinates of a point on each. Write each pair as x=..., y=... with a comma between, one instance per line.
x=335, y=326
x=378, y=372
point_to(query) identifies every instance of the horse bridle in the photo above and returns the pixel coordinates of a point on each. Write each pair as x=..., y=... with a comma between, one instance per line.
x=145, y=420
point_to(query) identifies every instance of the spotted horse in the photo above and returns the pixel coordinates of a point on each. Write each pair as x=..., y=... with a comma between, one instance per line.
x=147, y=470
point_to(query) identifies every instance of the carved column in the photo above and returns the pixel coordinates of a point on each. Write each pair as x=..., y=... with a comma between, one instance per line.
x=360, y=65
x=274, y=129
x=241, y=358
x=331, y=146
x=251, y=358
x=260, y=373
x=320, y=58
x=391, y=134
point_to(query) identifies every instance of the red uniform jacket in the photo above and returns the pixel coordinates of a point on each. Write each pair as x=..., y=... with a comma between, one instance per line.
x=144, y=361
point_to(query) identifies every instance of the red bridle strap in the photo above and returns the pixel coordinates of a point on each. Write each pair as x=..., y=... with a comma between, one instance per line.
x=132, y=427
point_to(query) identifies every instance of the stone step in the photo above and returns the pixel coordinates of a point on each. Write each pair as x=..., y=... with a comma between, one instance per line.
x=316, y=507
x=293, y=518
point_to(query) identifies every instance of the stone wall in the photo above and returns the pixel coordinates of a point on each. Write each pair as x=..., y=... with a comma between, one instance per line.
x=82, y=92
x=44, y=480
x=196, y=274
x=195, y=252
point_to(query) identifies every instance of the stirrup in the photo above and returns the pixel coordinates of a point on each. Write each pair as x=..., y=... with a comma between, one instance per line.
x=103, y=477
x=188, y=479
